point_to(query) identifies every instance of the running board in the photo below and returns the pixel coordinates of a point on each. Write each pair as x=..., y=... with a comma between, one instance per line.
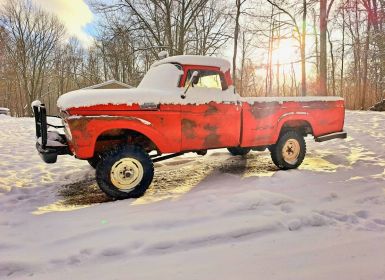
x=327, y=137
x=157, y=159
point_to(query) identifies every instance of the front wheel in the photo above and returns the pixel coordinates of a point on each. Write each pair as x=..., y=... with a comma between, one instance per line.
x=290, y=150
x=125, y=172
x=94, y=161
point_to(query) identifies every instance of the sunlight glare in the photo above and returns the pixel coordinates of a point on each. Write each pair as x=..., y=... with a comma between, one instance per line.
x=286, y=52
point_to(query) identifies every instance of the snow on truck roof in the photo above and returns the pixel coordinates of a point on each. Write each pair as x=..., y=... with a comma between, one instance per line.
x=221, y=63
x=109, y=84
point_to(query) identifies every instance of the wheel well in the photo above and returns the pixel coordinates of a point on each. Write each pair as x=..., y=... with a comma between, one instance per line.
x=116, y=137
x=301, y=126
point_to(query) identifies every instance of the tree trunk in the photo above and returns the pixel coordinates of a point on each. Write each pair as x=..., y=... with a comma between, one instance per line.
x=269, y=72
x=342, y=54
x=333, y=65
x=316, y=42
x=365, y=67
x=303, y=49
x=323, y=48
x=278, y=60
x=236, y=36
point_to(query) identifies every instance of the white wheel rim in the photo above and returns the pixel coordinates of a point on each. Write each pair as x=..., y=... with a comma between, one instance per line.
x=126, y=174
x=291, y=150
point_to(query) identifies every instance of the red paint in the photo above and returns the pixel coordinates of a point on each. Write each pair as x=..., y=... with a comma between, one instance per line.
x=178, y=128
x=212, y=125
x=264, y=126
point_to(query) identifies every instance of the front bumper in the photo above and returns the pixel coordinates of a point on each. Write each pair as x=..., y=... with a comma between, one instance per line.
x=49, y=144
x=53, y=149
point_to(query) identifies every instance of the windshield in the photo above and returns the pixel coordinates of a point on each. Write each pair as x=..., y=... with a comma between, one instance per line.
x=164, y=76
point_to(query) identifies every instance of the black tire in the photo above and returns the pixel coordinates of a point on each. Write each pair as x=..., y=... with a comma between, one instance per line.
x=94, y=161
x=238, y=151
x=285, y=153
x=122, y=165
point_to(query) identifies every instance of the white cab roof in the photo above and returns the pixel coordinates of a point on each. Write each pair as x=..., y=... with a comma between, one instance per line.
x=223, y=64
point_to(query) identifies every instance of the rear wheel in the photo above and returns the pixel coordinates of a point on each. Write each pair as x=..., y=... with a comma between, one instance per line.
x=238, y=151
x=126, y=172
x=290, y=150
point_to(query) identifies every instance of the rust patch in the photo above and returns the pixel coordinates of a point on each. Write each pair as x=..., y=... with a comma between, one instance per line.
x=212, y=109
x=212, y=139
x=79, y=126
x=262, y=112
x=188, y=127
x=211, y=128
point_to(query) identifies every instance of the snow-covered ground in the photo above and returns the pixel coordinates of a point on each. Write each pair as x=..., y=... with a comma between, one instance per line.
x=212, y=217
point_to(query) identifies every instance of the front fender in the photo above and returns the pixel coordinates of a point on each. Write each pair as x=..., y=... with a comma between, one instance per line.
x=85, y=131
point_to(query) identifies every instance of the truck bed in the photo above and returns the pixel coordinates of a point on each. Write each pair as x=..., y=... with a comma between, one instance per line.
x=264, y=117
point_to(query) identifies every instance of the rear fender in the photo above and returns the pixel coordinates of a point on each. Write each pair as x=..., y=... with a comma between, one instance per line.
x=293, y=117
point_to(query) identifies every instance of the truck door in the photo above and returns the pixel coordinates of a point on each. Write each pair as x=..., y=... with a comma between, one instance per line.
x=211, y=113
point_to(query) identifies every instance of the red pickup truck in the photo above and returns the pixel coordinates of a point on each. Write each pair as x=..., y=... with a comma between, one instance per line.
x=183, y=104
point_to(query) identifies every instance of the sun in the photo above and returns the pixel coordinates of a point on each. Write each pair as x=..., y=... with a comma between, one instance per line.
x=287, y=59
x=285, y=52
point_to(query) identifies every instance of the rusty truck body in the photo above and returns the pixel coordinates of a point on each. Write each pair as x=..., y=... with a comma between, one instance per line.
x=184, y=104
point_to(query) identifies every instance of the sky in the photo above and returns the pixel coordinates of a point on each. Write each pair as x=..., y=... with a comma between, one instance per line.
x=76, y=16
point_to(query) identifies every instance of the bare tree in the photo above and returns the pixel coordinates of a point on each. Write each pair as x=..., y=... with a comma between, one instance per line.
x=325, y=8
x=210, y=28
x=38, y=61
x=238, y=5
x=323, y=49
x=172, y=24
x=33, y=36
x=300, y=31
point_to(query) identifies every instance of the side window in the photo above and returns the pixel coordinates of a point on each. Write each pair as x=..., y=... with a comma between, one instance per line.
x=207, y=79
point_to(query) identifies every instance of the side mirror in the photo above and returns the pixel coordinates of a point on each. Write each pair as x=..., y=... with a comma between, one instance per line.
x=193, y=79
